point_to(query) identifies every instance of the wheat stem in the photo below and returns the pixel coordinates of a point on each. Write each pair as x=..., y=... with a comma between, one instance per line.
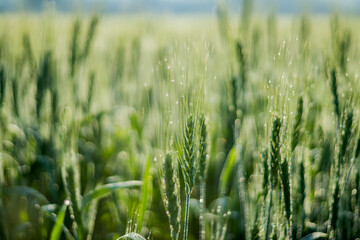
x=202, y=175
x=186, y=223
x=172, y=204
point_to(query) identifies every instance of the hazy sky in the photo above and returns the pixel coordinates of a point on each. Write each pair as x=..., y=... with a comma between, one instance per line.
x=185, y=6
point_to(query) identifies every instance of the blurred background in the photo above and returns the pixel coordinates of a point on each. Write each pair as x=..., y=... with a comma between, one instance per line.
x=94, y=93
x=183, y=6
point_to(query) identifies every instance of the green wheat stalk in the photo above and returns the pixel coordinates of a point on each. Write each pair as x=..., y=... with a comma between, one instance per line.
x=187, y=163
x=172, y=201
x=302, y=192
x=275, y=151
x=202, y=175
x=15, y=95
x=297, y=125
x=90, y=36
x=264, y=157
x=72, y=190
x=274, y=168
x=2, y=85
x=74, y=54
x=334, y=92
x=344, y=142
x=285, y=180
x=44, y=78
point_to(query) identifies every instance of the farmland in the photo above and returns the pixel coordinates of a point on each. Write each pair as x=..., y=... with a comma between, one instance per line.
x=179, y=127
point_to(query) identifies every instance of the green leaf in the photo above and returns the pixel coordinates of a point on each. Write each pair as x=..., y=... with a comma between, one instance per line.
x=27, y=191
x=104, y=190
x=57, y=229
x=227, y=171
x=145, y=193
x=315, y=235
x=49, y=210
x=132, y=236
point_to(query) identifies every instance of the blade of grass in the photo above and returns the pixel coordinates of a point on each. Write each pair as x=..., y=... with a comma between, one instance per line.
x=104, y=190
x=27, y=191
x=57, y=229
x=49, y=210
x=145, y=193
x=228, y=169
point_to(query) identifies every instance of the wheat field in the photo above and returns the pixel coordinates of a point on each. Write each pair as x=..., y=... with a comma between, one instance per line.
x=179, y=127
